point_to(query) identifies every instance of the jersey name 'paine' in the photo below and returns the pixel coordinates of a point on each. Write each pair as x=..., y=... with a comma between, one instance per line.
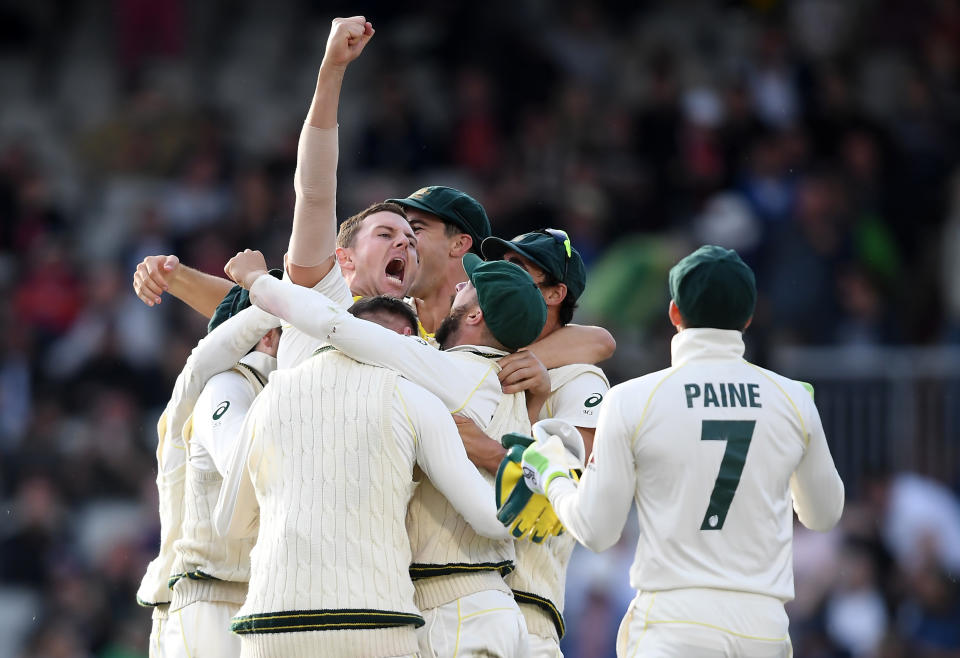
x=723, y=394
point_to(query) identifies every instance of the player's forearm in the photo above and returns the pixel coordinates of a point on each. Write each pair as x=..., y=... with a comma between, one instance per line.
x=484, y=452
x=313, y=236
x=595, y=521
x=817, y=489
x=574, y=344
x=201, y=291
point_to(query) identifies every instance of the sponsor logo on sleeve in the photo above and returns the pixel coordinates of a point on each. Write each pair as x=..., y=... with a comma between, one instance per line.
x=221, y=409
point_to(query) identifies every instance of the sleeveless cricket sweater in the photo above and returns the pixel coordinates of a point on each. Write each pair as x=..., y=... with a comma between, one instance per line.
x=450, y=559
x=333, y=488
x=539, y=581
x=208, y=567
x=153, y=589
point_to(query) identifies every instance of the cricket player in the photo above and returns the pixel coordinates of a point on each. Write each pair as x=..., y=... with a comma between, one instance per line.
x=576, y=396
x=326, y=468
x=382, y=254
x=219, y=351
x=458, y=575
x=209, y=574
x=713, y=450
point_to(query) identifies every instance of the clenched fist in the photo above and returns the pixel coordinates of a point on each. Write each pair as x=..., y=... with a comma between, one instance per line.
x=348, y=37
x=153, y=277
x=246, y=267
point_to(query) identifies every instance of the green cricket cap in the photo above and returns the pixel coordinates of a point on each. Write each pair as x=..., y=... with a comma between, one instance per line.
x=714, y=288
x=512, y=305
x=454, y=206
x=547, y=248
x=232, y=303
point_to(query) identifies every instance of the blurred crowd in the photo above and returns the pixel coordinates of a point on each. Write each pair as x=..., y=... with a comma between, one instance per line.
x=817, y=137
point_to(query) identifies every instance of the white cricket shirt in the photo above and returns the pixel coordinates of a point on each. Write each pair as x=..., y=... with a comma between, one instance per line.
x=714, y=450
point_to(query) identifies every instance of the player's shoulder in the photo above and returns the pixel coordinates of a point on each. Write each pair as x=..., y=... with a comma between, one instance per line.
x=415, y=399
x=639, y=390
x=798, y=394
x=562, y=375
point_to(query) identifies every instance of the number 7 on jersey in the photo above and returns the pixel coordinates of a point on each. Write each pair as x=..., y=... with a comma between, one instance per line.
x=737, y=434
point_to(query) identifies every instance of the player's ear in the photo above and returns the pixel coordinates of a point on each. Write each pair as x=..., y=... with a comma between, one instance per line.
x=554, y=295
x=344, y=258
x=460, y=244
x=676, y=318
x=475, y=316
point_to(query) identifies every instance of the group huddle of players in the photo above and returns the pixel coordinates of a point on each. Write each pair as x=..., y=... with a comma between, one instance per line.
x=352, y=464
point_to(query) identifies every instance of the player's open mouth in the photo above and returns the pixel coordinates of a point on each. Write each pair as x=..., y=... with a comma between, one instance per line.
x=395, y=269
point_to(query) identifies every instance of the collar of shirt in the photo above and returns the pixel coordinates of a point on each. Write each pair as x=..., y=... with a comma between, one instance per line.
x=706, y=344
x=261, y=362
x=482, y=350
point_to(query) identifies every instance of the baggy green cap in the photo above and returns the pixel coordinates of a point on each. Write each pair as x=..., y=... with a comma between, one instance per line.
x=454, y=206
x=714, y=288
x=232, y=303
x=548, y=250
x=512, y=305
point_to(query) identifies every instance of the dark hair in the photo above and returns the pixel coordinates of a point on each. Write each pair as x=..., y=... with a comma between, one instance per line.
x=567, y=306
x=368, y=306
x=351, y=225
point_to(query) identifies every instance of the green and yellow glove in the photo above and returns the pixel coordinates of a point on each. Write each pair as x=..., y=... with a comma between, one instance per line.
x=528, y=515
x=558, y=452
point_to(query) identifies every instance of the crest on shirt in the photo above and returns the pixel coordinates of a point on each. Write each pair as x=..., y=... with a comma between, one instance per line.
x=593, y=400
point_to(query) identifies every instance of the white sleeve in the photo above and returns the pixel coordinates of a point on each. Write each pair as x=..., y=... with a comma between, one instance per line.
x=218, y=417
x=578, y=401
x=816, y=486
x=237, y=513
x=365, y=341
x=297, y=345
x=441, y=455
x=595, y=510
x=216, y=352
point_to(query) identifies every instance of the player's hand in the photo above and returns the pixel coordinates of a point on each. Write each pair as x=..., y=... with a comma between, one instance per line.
x=522, y=371
x=153, y=277
x=348, y=37
x=544, y=462
x=528, y=515
x=246, y=267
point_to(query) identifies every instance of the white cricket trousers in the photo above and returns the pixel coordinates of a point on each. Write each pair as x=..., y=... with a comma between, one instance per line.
x=707, y=623
x=199, y=630
x=487, y=623
x=542, y=647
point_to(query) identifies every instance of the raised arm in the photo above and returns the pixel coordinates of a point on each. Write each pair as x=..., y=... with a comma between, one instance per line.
x=574, y=343
x=310, y=255
x=156, y=275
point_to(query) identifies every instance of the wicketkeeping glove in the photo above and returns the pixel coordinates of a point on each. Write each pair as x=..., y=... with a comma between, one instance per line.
x=558, y=452
x=528, y=515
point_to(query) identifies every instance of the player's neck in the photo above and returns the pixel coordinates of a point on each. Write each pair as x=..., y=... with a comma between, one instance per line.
x=434, y=305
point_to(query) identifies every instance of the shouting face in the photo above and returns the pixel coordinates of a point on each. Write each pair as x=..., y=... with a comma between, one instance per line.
x=382, y=259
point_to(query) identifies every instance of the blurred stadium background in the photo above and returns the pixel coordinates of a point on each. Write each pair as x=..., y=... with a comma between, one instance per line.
x=818, y=137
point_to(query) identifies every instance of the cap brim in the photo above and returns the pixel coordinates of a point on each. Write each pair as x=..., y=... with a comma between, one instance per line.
x=413, y=203
x=470, y=262
x=495, y=248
